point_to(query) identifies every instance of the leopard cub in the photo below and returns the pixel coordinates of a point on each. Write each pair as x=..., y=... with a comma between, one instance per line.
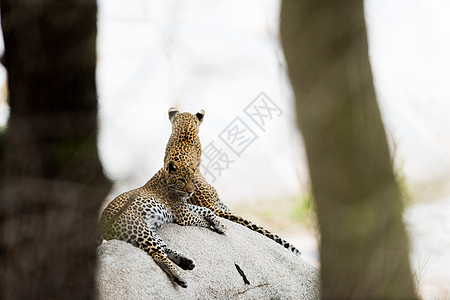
x=136, y=215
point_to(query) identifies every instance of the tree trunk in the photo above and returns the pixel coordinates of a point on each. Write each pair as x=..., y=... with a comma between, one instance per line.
x=364, y=248
x=51, y=179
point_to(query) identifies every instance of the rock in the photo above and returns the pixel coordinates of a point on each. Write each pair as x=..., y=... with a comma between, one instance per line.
x=126, y=272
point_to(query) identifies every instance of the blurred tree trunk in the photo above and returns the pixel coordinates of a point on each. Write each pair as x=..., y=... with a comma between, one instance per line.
x=364, y=248
x=51, y=179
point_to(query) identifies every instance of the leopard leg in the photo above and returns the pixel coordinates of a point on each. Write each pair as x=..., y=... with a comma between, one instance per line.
x=144, y=239
x=161, y=259
x=185, y=217
x=182, y=260
x=207, y=215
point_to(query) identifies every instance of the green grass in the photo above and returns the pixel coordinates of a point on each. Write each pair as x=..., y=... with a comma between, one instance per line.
x=287, y=214
x=419, y=272
x=302, y=207
x=402, y=182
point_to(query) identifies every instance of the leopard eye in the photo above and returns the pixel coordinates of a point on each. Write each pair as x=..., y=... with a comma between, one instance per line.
x=171, y=167
x=183, y=181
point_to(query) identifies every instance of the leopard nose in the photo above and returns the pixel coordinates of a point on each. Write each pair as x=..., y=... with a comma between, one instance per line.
x=189, y=187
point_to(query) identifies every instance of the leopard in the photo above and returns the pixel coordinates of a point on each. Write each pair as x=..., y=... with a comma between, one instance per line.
x=205, y=195
x=136, y=216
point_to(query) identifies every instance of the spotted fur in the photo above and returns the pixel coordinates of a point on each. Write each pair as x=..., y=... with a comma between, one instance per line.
x=135, y=216
x=205, y=194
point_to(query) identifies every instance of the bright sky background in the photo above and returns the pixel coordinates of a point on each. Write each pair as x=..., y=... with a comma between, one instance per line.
x=409, y=47
x=219, y=55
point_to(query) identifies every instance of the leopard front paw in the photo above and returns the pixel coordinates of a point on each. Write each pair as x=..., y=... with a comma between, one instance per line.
x=219, y=227
x=181, y=282
x=186, y=263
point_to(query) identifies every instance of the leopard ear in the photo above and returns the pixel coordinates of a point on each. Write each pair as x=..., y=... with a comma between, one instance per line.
x=200, y=115
x=172, y=113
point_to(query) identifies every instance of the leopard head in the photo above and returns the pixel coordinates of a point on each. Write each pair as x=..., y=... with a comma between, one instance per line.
x=183, y=152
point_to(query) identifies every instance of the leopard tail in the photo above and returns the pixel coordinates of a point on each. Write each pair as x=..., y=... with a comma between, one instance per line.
x=237, y=219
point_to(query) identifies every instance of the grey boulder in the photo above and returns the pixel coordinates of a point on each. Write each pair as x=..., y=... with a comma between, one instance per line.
x=240, y=264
